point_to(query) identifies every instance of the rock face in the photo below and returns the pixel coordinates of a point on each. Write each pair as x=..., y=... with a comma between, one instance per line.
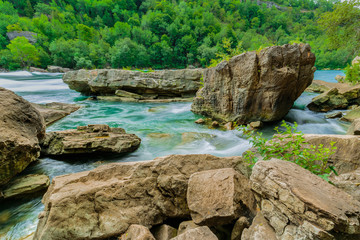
x=256, y=87
x=29, y=185
x=137, y=232
x=300, y=204
x=55, y=111
x=197, y=234
x=21, y=128
x=31, y=36
x=89, y=139
x=149, y=85
x=104, y=202
x=217, y=197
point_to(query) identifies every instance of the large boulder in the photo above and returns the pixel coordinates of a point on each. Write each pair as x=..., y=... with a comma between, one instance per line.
x=21, y=128
x=156, y=84
x=55, y=111
x=300, y=204
x=96, y=138
x=104, y=202
x=218, y=197
x=256, y=86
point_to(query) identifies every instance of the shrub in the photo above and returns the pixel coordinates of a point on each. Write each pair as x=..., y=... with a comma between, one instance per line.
x=290, y=145
x=353, y=73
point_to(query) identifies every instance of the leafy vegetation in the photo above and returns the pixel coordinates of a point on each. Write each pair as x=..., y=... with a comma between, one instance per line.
x=352, y=73
x=290, y=145
x=163, y=33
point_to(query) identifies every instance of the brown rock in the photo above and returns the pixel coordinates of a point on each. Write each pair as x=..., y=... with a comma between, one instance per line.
x=239, y=227
x=349, y=182
x=350, y=116
x=215, y=124
x=89, y=139
x=54, y=111
x=200, y=121
x=21, y=127
x=197, y=234
x=160, y=135
x=217, y=197
x=186, y=226
x=259, y=230
x=104, y=202
x=137, y=232
x=354, y=128
x=255, y=87
x=164, y=232
x=328, y=101
x=34, y=69
x=229, y=126
x=26, y=186
x=256, y=125
x=334, y=115
x=301, y=204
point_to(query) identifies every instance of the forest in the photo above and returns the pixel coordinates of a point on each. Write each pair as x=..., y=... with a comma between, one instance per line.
x=160, y=34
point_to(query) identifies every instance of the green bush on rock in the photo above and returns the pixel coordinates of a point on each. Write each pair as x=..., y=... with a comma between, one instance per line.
x=290, y=145
x=353, y=73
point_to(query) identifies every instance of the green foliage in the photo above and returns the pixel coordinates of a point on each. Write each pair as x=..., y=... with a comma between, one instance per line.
x=227, y=52
x=23, y=53
x=290, y=145
x=352, y=73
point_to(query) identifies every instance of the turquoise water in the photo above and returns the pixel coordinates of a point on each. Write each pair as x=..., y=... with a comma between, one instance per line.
x=19, y=218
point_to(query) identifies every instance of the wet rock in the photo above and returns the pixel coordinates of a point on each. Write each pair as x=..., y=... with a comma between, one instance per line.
x=200, y=121
x=215, y=124
x=125, y=94
x=27, y=186
x=229, y=126
x=197, y=234
x=34, y=69
x=259, y=230
x=300, y=204
x=188, y=137
x=104, y=202
x=256, y=87
x=21, y=127
x=163, y=84
x=186, y=226
x=55, y=111
x=217, y=197
x=30, y=36
x=351, y=115
x=354, y=128
x=160, y=135
x=164, y=232
x=349, y=182
x=57, y=69
x=89, y=139
x=239, y=227
x=137, y=232
x=256, y=125
x=334, y=115
x=122, y=99
x=328, y=101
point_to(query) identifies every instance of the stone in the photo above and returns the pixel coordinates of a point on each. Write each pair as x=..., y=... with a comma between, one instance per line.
x=89, y=139
x=354, y=128
x=318, y=86
x=256, y=87
x=162, y=84
x=356, y=60
x=122, y=99
x=30, y=36
x=334, y=115
x=26, y=186
x=104, y=202
x=188, y=137
x=34, y=69
x=351, y=115
x=229, y=126
x=164, y=232
x=349, y=182
x=165, y=136
x=21, y=127
x=137, y=232
x=55, y=111
x=340, y=78
x=259, y=230
x=299, y=203
x=239, y=227
x=256, y=125
x=186, y=226
x=328, y=101
x=215, y=124
x=126, y=94
x=203, y=232
x=57, y=69
x=218, y=197
x=200, y=121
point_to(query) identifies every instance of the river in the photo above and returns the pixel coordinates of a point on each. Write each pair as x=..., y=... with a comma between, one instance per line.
x=19, y=218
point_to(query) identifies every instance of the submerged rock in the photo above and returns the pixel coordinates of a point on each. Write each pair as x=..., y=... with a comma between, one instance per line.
x=188, y=137
x=300, y=204
x=89, y=139
x=104, y=202
x=55, y=111
x=256, y=87
x=158, y=84
x=26, y=186
x=21, y=128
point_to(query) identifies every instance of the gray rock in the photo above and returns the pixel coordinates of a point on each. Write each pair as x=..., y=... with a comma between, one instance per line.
x=197, y=234
x=21, y=127
x=256, y=87
x=334, y=115
x=34, y=69
x=349, y=182
x=57, y=69
x=354, y=128
x=55, y=111
x=137, y=232
x=31, y=36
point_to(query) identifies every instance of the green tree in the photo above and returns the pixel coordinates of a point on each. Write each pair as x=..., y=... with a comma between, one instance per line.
x=23, y=52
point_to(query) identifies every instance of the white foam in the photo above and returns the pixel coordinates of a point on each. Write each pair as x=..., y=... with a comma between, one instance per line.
x=18, y=73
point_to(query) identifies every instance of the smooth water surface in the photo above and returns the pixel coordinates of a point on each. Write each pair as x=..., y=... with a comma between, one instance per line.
x=147, y=120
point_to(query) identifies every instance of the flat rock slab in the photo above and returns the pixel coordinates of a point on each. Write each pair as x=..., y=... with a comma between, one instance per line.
x=55, y=111
x=197, y=234
x=218, y=197
x=104, y=202
x=26, y=186
x=89, y=139
x=299, y=203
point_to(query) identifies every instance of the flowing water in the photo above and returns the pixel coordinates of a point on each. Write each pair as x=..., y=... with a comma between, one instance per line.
x=19, y=218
